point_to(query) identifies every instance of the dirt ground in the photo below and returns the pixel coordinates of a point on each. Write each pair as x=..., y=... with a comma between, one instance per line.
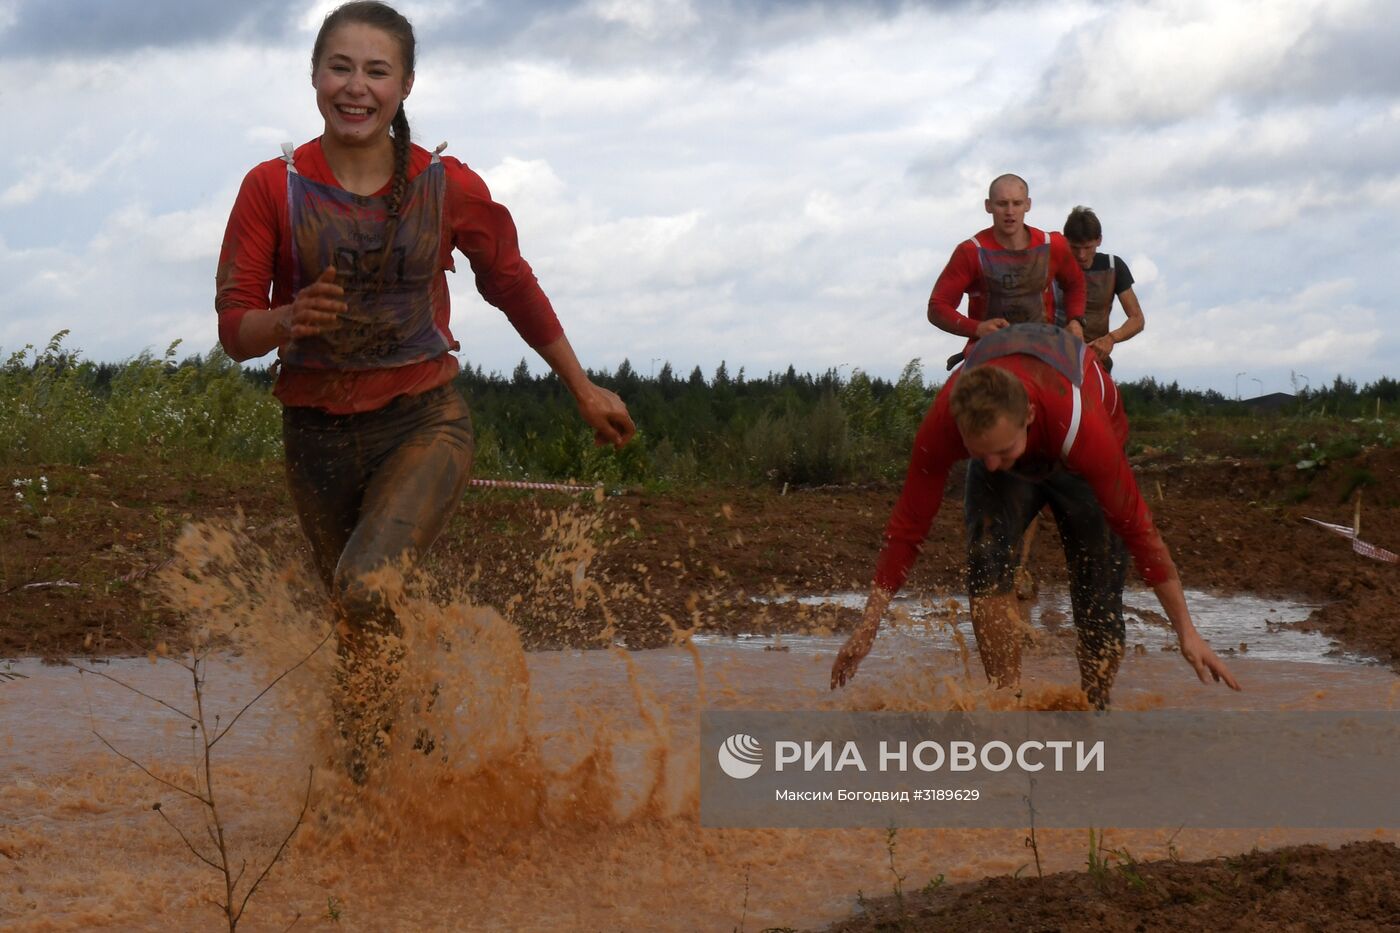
x=76, y=570
x=1298, y=888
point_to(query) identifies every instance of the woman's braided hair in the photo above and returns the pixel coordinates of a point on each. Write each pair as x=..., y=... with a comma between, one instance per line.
x=385, y=18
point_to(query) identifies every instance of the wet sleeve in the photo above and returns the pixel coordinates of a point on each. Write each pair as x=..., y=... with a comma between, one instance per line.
x=937, y=446
x=1122, y=277
x=1099, y=458
x=485, y=233
x=1069, y=277
x=248, y=257
x=958, y=278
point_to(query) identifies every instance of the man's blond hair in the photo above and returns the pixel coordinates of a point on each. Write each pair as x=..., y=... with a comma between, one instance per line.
x=983, y=395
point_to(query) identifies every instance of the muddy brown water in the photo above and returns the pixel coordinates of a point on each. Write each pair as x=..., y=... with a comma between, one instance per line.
x=565, y=794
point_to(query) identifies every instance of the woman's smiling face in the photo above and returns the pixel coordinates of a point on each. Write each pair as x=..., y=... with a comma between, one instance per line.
x=360, y=81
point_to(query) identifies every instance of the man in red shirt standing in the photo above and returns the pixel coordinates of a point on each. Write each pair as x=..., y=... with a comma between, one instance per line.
x=1006, y=271
x=1043, y=425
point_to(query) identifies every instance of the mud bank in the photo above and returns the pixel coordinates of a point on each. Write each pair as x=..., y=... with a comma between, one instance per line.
x=77, y=578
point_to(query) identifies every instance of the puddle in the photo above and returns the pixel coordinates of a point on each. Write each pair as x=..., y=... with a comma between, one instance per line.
x=617, y=844
x=1236, y=624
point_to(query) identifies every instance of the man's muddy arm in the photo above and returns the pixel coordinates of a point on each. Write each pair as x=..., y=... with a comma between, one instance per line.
x=857, y=646
x=1193, y=647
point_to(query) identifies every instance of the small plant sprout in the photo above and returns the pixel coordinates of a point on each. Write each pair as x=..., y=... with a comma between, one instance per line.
x=1172, y=852
x=1128, y=868
x=1097, y=862
x=212, y=845
x=1030, y=841
x=744, y=914
x=897, y=886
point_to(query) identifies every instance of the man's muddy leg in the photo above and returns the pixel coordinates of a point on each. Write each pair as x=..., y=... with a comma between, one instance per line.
x=1098, y=564
x=1000, y=630
x=997, y=508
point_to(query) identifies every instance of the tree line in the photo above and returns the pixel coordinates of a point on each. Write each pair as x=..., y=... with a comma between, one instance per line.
x=790, y=427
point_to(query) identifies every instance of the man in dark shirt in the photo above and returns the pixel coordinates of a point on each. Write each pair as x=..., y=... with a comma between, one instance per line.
x=1105, y=276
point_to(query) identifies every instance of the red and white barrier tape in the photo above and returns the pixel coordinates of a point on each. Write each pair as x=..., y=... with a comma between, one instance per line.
x=521, y=484
x=1357, y=545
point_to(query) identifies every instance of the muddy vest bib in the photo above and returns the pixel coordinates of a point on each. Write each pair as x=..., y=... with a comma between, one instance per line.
x=388, y=286
x=1014, y=281
x=1054, y=346
x=1098, y=301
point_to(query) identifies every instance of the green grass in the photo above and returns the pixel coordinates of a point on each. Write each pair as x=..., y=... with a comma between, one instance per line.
x=208, y=413
x=56, y=407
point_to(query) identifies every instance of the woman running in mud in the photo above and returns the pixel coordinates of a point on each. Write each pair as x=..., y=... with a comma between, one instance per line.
x=335, y=256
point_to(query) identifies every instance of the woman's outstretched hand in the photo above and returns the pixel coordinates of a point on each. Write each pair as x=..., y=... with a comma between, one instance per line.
x=601, y=408
x=606, y=414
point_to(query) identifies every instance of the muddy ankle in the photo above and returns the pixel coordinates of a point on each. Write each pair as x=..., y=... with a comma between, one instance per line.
x=1097, y=697
x=424, y=742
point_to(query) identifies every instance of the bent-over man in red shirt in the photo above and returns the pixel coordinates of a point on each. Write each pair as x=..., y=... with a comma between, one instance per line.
x=1043, y=424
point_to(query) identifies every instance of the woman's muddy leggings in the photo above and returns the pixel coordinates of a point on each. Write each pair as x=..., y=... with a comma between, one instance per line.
x=371, y=490
x=999, y=506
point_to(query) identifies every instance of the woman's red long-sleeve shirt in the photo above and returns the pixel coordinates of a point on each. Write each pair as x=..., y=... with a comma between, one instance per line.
x=255, y=272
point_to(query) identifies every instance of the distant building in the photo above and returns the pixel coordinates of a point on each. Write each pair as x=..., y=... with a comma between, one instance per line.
x=1274, y=401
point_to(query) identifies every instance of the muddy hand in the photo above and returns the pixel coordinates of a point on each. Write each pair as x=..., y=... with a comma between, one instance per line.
x=991, y=326
x=607, y=416
x=849, y=657
x=1205, y=661
x=1102, y=347
x=317, y=307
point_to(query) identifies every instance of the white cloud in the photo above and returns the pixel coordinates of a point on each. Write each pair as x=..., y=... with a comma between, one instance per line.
x=266, y=137
x=178, y=236
x=1167, y=61
x=1321, y=328
x=1144, y=270
x=310, y=21
x=55, y=173
x=650, y=17
x=789, y=197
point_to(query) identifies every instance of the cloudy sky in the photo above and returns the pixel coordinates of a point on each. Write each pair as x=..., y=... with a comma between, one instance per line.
x=763, y=182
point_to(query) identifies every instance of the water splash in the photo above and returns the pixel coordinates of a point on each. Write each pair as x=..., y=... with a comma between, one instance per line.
x=561, y=791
